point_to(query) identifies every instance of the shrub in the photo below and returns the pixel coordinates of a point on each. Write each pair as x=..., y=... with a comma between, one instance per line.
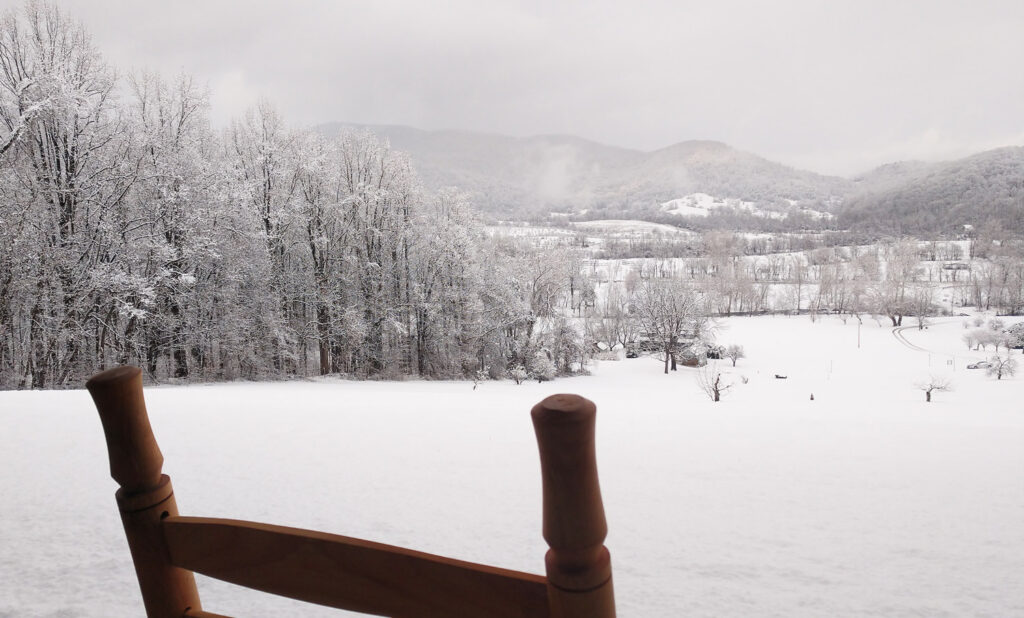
x=542, y=368
x=519, y=374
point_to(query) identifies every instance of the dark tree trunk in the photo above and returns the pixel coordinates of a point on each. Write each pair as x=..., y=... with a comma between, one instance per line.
x=323, y=324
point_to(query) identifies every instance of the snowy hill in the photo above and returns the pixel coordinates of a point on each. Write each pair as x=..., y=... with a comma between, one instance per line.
x=557, y=172
x=512, y=177
x=922, y=198
x=702, y=205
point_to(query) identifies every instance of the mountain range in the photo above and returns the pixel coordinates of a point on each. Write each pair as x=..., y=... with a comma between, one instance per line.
x=512, y=177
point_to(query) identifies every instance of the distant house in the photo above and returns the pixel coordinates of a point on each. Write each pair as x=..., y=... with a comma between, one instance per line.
x=693, y=355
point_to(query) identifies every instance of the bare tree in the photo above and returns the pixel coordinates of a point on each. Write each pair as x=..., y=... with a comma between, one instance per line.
x=1000, y=367
x=922, y=304
x=668, y=309
x=933, y=384
x=710, y=381
x=610, y=322
x=735, y=352
x=891, y=293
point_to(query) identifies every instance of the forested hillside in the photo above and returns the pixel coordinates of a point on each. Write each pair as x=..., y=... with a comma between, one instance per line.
x=510, y=177
x=986, y=189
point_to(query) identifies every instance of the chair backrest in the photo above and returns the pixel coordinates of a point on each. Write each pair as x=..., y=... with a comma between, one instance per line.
x=349, y=573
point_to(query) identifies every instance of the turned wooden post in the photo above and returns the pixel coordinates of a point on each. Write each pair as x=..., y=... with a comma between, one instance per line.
x=145, y=496
x=578, y=565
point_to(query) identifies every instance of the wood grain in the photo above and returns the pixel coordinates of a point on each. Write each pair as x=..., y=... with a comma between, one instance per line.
x=145, y=495
x=354, y=574
x=135, y=458
x=578, y=565
x=348, y=573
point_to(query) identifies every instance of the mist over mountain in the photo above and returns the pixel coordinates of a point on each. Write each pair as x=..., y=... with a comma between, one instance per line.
x=516, y=177
x=558, y=172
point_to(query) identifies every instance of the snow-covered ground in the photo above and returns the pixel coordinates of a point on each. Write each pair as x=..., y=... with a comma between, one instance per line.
x=866, y=501
x=701, y=205
x=629, y=227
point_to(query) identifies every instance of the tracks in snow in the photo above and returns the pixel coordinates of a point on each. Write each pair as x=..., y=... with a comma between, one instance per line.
x=898, y=333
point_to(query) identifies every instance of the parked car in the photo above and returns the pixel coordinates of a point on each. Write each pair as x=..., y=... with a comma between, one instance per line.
x=980, y=365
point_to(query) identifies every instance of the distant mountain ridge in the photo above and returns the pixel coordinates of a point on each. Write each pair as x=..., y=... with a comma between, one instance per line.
x=561, y=172
x=515, y=177
x=985, y=189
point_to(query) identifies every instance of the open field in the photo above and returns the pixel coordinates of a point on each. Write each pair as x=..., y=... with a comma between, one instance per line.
x=866, y=501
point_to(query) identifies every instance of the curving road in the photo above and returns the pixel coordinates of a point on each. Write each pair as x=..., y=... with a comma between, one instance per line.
x=898, y=333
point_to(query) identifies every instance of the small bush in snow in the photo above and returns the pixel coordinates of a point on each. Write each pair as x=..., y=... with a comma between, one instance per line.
x=518, y=374
x=543, y=368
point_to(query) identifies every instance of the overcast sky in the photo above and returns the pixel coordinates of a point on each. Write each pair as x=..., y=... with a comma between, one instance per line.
x=826, y=85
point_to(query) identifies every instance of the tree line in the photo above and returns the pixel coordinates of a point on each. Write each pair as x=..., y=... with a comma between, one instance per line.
x=133, y=232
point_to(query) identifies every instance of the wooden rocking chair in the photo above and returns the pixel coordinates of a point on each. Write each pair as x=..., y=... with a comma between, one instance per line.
x=348, y=573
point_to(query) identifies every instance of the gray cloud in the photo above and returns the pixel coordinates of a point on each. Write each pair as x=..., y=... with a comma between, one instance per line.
x=830, y=86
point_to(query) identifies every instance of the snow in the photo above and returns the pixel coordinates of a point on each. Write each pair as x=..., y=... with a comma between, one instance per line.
x=630, y=227
x=817, y=214
x=701, y=205
x=866, y=501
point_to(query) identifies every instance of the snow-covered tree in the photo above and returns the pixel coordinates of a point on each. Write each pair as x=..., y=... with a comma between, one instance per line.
x=734, y=352
x=65, y=171
x=933, y=384
x=668, y=310
x=892, y=295
x=999, y=367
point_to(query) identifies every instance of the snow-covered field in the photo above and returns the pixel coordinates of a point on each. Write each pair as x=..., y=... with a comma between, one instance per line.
x=701, y=205
x=619, y=228
x=865, y=501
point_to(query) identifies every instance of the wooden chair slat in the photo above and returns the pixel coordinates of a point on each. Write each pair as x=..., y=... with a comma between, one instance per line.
x=201, y=614
x=354, y=574
x=348, y=573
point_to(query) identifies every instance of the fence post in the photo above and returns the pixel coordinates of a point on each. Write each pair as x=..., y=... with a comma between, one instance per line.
x=578, y=564
x=145, y=495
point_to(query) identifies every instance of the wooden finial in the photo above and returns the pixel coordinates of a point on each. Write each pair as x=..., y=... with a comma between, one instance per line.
x=135, y=457
x=578, y=564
